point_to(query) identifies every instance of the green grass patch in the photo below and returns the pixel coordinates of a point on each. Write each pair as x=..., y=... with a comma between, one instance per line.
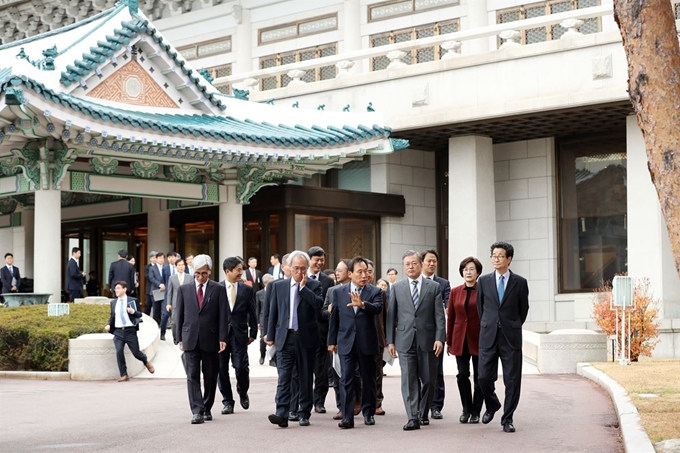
x=32, y=341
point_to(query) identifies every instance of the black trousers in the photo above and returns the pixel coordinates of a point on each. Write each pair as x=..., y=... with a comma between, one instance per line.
x=122, y=337
x=194, y=362
x=73, y=295
x=321, y=373
x=379, y=373
x=366, y=364
x=439, y=390
x=263, y=345
x=157, y=304
x=472, y=402
x=511, y=359
x=238, y=354
x=148, y=302
x=293, y=352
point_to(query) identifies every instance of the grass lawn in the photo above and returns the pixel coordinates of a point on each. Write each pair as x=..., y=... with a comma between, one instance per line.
x=660, y=415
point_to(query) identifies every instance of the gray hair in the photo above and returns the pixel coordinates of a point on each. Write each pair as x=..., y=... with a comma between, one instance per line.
x=297, y=253
x=153, y=254
x=285, y=259
x=411, y=253
x=202, y=261
x=266, y=278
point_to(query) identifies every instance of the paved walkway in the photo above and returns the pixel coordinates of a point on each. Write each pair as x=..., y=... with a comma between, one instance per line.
x=561, y=413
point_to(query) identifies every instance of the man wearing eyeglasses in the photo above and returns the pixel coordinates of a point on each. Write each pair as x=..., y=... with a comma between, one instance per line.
x=503, y=305
x=202, y=328
x=293, y=329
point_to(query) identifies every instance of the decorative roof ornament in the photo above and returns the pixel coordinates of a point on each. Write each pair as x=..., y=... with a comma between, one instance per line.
x=321, y=107
x=296, y=104
x=270, y=101
x=206, y=75
x=46, y=64
x=241, y=94
x=133, y=6
x=370, y=107
x=346, y=108
x=399, y=143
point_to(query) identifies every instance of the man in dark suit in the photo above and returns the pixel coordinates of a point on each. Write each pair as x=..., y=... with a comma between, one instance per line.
x=241, y=302
x=10, y=275
x=354, y=336
x=317, y=257
x=276, y=268
x=158, y=286
x=503, y=305
x=124, y=324
x=169, y=269
x=416, y=327
x=74, y=276
x=430, y=259
x=253, y=275
x=202, y=328
x=293, y=329
x=148, y=301
x=122, y=271
x=260, y=298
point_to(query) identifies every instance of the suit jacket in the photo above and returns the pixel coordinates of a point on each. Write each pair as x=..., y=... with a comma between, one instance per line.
x=462, y=324
x=348, y=327
x=257, y=285
x=510, y=313
x=135, y=317
x=244, y=313
x=123, y=271
x=155, y=278
x=445, y=287
x=202, y=328
x=329, y=300
x=260, y=298
x=281, y=275
x=74, y=277
x=6, y=278
x=167, y=272
x=326, y=283
x=279, y=312
x=404, y=320
x=147, y=282
x=172, y=291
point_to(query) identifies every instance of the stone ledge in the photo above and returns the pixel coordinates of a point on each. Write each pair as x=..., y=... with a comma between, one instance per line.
x=37, y=375
x=560, y=351
x=635, y=439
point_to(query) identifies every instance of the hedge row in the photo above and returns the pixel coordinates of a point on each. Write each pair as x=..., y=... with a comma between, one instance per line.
x=30, y=340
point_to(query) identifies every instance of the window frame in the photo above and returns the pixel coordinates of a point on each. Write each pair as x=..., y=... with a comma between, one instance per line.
x=413, y=9
x=203, y=43
x=279, y=58
x=297, y=29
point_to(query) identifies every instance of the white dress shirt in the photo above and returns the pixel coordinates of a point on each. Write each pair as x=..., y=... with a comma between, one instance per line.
x=119, y=321
x=293, y=288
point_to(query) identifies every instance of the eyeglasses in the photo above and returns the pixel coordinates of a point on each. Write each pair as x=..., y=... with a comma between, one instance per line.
x=411, y=264
x=299, y=268
x=202, y=274
x=498, y=257
x=470, y=269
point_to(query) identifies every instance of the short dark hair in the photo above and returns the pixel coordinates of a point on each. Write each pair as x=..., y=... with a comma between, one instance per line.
x=175, y=254
x=129, y=257
x=93, y=273
x=329, y=271
x=370, y=263
x=468, y=260
x=122, y=253
x=160, y=254
x=509, y=249
x=122, y=283
x=75, y=250
x=8, y=254
x=391, y=269
x=277, y=256
x=180, y=260
x=316, y=251
x=354, y=261
x=230, y=263
x=251, y=258
x=425, y=252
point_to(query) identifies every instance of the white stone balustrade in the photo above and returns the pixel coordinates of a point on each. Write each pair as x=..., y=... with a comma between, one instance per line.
x=395, y=59
x=343, y=68
x=451, y=48
x=510, y=39
x=572, y=26
x=296, y=75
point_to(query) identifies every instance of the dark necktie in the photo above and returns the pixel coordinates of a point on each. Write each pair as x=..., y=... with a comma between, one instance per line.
x=415, y=293
x=313, y=277
x=199, y=295
x=501, y=290
x=296, y=304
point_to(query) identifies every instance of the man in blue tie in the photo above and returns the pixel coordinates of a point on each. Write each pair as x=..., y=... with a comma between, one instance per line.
x=503, y=305
x=292, y=328
x=124, y=324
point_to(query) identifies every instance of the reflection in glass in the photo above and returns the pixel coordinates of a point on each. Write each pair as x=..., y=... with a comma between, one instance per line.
x=199, y=238
x=313, y=230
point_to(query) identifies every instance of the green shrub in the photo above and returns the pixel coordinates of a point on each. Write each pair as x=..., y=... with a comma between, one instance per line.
x=31, y=340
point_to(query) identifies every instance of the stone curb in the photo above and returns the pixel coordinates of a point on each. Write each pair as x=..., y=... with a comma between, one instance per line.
x=635, y=439
x=38, y=375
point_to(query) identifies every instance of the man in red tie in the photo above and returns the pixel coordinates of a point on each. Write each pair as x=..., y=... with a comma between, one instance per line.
x=202, y=328
x=253, y=276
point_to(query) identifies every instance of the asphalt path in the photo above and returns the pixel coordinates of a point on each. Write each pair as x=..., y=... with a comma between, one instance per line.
x=557, y=413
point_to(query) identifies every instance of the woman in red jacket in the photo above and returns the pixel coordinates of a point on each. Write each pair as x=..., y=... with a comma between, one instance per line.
x=462, y=337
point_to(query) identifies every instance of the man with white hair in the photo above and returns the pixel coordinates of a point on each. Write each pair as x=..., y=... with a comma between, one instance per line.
x=202, y=329
x=292, y=327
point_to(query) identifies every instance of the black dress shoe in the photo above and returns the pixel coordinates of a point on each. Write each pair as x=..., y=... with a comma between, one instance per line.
x=411, y=425
x=424, y=421
x=437, y=414
x=346, y=424
x=319, y=409
x=474, y=419
x=197, y=419
x=245, y=402
x=162, y=337
x=509, y=428
x=228, y=409
x=465, y=417
x=207, y=416
x=261, y=360
x=304, y=422
x=488, y=416
x=369, y=420
x=293, y=417
x=276, y=420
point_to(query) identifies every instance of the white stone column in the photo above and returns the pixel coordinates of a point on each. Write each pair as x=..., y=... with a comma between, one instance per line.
x=649, y=249
x=472, y=201
x=28, y=223
x=477, y=17
x=231, y=231
x=47, y=244
x=351, y=31
x=158, y=225
x=243, y=44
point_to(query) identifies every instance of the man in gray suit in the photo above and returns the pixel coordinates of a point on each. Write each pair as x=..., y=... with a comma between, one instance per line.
x=416, y=327
x=174, y=282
